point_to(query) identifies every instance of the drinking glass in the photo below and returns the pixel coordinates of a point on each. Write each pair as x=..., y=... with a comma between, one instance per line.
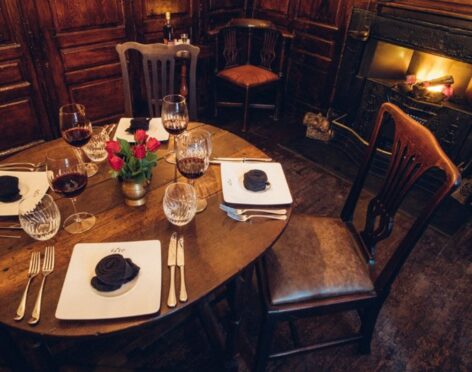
x=193, y=150
x=39, y=217
x=180, y=203
x=95, y=148
x=67, y=176
x=174, y=115
x=76, y=129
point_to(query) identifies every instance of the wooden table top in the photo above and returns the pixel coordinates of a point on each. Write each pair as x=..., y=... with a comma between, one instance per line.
x=217, y=248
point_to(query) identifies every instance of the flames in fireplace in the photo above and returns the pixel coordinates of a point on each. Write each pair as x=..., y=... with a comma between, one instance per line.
x=393, y=62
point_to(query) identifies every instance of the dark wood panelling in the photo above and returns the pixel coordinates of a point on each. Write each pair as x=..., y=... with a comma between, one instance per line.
x=278, y=6
x=98, y=72
x=70, y=14
x=103, y=99
x=89, y=56
x=22, y=115
x=91, y=36
x=19, y=122
x=159, y=7
x=10, y=72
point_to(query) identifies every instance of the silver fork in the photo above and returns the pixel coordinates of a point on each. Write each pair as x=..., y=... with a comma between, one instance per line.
x=22, y=166
x=244, y=217
x=48, y=267
x=242, y=211
x=33, y=270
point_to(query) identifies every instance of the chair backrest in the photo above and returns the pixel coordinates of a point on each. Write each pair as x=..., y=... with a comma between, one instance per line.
x=158, y=68
x=415, y=150
x=250, y=41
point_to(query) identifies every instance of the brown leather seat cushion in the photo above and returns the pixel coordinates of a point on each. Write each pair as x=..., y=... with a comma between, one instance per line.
x=248, y=75
x=315, y=257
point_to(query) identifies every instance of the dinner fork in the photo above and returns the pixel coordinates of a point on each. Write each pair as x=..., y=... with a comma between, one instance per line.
x=48, y=267
x=22, y=166
x=242, y=211
x=244, y=217
x=33, y=270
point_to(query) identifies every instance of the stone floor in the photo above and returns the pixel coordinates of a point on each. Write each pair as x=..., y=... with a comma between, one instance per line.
x=424, y=325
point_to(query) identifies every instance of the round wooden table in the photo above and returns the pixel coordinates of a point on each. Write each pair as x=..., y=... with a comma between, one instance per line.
x=217, y=248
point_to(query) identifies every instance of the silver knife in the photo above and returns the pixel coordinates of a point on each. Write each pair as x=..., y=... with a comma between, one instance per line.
x=241, y=159
x=171, y=262
x=181, y=263
x=15, y=226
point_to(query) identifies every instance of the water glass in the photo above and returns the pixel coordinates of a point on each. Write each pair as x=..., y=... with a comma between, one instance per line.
x=39, y=217
x=180, y=203
x=95, y=148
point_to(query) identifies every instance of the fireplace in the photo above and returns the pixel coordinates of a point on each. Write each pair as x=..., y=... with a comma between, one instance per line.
x=394, y=55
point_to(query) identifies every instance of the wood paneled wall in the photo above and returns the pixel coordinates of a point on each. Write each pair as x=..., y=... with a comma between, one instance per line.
x=57, y=51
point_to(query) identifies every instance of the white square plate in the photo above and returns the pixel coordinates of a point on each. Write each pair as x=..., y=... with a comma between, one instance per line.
x=232, y=176
x=156, y=130
x=79, y=300
x=29, y=183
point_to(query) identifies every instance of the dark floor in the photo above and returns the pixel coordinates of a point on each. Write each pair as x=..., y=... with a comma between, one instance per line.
x=424, y=325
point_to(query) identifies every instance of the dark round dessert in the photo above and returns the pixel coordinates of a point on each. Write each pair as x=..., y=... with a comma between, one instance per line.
x=112, y=272
x=9, y=191
x=255, y=180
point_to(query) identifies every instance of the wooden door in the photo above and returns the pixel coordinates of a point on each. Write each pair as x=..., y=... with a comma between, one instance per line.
x=23, y=118
x=79, y=39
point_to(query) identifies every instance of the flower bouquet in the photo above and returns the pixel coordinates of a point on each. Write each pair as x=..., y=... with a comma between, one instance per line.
x=133, y=161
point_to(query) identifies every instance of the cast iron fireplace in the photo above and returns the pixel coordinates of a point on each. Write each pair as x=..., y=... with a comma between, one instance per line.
x=383, y=50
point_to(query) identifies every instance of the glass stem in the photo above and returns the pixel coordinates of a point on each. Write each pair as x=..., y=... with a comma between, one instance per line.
x=77, y=217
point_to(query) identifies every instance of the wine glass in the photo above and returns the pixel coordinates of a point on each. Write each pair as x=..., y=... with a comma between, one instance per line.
x=39, y=217
x=193, y=150
x=174, y=115
x=76, y=129
x=67, y=176
x=180, y=203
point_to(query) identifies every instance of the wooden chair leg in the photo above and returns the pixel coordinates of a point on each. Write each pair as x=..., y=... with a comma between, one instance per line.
x=264, y=343
x=278, y=101
x=246, y=109
x=368, y=320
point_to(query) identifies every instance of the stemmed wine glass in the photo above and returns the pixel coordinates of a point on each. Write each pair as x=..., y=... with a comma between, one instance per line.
x=67, y=176
x=174, y=115
x=193, y=150
x=180, y=203
x=76, y=129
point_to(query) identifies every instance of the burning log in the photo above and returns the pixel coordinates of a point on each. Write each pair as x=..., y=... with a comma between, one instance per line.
x=427, y=90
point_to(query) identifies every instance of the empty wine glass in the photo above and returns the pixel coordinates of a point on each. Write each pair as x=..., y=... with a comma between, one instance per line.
x=76, y=129
x=180, y=203
x=193, y=150
x=174, y=115
x=67, y=176
x=39, y=217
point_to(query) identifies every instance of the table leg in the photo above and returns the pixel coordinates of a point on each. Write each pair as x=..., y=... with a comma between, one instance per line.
x=237, y=295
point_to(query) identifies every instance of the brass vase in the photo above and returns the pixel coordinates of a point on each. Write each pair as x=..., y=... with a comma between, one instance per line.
x=134, y=192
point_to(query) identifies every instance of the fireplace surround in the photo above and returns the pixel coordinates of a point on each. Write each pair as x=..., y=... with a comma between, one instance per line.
x=382, y=49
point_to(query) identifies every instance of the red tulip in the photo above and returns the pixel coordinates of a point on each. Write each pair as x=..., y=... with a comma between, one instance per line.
x=140, y=136
x=116, y=162
x=139, y=151
x=152, y=144
x=113, y=147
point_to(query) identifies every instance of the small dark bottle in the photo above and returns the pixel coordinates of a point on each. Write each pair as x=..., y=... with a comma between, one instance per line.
x=167, y=30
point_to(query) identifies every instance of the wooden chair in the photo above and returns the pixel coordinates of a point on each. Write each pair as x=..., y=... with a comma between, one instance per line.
x=323, y=265
x=250, y=55
x=158, y=68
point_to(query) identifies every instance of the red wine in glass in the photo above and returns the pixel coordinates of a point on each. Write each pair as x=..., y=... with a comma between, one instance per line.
x=77, y=137
x=70, y=184
x=191, y=167
x=175, y=126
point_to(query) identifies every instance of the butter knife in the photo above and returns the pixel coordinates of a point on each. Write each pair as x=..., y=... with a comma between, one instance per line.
x=240, y=159
x=181, y=263
x=171, y=262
